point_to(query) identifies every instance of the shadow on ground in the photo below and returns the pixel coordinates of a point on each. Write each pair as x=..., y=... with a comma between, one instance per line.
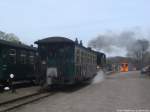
x=69, y=88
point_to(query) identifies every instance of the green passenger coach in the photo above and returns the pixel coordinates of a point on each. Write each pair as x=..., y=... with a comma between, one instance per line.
x=17, y=59
x=63, y=61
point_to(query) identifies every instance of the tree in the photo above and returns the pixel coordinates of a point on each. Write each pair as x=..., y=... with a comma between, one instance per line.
x=9, y=37
x=138, y=51
x=12, y=37
x=2, y=35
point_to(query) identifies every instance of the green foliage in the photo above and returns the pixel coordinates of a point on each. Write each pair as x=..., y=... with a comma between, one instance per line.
x=9, y=37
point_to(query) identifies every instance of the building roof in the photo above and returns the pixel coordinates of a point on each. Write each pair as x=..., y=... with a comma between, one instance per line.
x=56, y=39
x=16, y=45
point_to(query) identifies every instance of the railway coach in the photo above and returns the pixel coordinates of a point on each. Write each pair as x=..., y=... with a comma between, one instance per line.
x=63, y=61
x=17, y=59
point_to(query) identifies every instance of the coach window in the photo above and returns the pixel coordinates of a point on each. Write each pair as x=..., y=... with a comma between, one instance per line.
x=23, y=57
x=12, y=56
x=31, y=57
x=84, y=57
x=0, y=49
x=82, y=54
x=1, y=52
x=103, y=57
x=92, y=58
x=78, y=56
x=88, y=58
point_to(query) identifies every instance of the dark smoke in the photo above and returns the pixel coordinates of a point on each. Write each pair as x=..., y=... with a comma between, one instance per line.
x=126, y=40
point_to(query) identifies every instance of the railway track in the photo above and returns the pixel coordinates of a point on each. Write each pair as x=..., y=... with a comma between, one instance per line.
x=10, y=105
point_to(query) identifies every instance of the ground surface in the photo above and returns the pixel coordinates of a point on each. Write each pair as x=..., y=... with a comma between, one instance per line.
x=21, y=92
x=118, y=91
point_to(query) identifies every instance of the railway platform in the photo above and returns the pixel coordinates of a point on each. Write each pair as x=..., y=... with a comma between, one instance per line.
x=8, y=96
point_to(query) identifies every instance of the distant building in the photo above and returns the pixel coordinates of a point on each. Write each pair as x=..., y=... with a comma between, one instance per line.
x=121, y=64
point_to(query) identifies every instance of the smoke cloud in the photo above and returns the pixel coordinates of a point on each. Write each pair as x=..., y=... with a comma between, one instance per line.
x=125, y=40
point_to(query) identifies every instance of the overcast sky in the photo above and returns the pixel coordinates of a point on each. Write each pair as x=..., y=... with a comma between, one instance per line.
x=35, y=19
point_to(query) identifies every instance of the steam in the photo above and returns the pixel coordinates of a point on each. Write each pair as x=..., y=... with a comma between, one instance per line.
x=98, y=78
x=125, y=40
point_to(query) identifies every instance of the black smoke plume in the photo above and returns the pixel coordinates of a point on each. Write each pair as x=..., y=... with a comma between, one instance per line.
x=131, y=41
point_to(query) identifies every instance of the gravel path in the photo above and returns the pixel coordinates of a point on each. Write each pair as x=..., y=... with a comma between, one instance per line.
x=129, y=91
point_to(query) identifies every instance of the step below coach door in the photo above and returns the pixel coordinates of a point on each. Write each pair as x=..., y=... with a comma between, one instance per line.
x=51, y=73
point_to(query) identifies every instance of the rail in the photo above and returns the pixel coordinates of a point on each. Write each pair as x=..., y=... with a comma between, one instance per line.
x=13, y=104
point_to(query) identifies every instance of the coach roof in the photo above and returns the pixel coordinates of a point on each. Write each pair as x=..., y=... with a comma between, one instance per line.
x=54, y=40
x=16, y=45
